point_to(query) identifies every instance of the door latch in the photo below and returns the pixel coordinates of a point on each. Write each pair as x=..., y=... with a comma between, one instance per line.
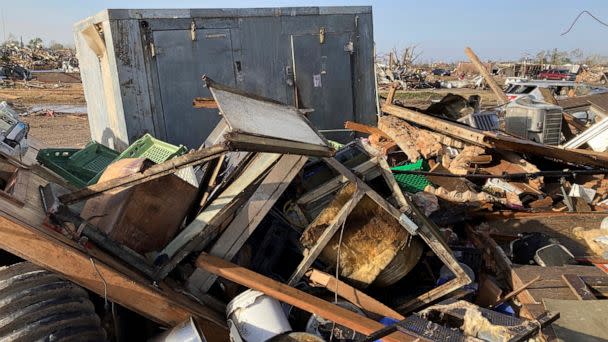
x=322, y=35
x=289, y=76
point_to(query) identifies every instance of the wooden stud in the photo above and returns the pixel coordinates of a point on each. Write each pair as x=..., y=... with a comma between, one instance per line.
x=297, y=298
x=500, y=95
x=351, y=294
x=49, y=251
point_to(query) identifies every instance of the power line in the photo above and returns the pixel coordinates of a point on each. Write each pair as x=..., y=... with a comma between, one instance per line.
x=579, y=15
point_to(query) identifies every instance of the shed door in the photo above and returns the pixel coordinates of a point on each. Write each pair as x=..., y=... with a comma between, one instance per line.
x=324, y=80
x=181, y=62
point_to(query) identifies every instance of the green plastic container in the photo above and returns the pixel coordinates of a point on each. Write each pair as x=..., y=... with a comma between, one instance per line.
x=151, y=148
x=56, y=159
x=412, y=183
x=92, y=160
x=85, y=167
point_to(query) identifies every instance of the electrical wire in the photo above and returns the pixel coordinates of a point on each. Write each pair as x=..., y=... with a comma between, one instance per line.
x=578, y=16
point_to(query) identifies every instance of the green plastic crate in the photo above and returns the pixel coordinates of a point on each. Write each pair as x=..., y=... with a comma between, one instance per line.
x=412, y=183
x=92, y=160
x=150, y=148
x=56, y=159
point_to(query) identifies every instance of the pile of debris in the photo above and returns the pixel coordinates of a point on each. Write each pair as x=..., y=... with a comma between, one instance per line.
x=17, y=60
x=391, y=236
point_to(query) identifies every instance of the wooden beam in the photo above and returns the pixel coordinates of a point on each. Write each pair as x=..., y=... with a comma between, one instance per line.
x=390, y=97
x=204, y=102
x=292, y=296
x=153, y=172
x=249, y=217
x=500, y=95
x=500, y=141
x=127, y=289
x=351, y=294
x=515, y=292
x=449, y=128
x=361, y=128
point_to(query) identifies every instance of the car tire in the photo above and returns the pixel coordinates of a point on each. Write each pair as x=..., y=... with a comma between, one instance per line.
x=36, y=304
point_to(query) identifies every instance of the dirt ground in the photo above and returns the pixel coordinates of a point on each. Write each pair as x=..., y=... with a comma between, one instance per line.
x=51, y=128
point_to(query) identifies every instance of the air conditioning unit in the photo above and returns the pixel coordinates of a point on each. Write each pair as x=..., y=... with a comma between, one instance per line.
x=534, y=120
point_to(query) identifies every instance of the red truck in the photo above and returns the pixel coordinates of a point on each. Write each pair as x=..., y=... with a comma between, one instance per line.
x=554, y=74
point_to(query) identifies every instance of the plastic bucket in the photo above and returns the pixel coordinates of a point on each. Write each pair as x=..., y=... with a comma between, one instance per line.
x=183, y=332
x=256, y=317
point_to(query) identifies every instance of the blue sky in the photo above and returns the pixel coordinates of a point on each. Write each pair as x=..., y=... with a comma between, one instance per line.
x=494, y=29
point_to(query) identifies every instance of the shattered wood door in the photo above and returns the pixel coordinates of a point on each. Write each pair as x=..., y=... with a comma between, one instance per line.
x=181, y=62
x=324, y=80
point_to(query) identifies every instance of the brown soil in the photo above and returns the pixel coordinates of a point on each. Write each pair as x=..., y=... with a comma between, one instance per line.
x=20, y=95
x=60, y=130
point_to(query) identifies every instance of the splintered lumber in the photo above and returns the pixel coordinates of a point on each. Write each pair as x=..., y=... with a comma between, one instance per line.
x=414, y=142
x=515, y=292
x=357, y=297
x=497, y=140
x=390, y=97
x=249, y=217
x=295, y=297
x=500, y=95
x=361, y=128
x=52, y=252
x=201, y=226
x=153, y=172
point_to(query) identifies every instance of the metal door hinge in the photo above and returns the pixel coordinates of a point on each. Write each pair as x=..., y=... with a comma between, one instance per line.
x=152, y=50
x=322, y=35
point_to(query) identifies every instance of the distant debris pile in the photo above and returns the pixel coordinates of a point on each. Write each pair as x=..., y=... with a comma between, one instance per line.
x=16, y=59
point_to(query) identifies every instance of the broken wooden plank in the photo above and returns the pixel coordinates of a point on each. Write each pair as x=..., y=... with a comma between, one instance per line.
x=204, y=102
x=515, y=292
x=578, y=287
x=500, y=95
x=295, y=297
x=50, y=251
x=351, y=294
x=390, y=97
x=498, y=140
x=258, y=166
x=249, y=217
x=361, y=128
x=414, y=142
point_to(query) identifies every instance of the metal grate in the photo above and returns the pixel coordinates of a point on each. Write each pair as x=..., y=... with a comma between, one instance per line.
x=552, y=127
